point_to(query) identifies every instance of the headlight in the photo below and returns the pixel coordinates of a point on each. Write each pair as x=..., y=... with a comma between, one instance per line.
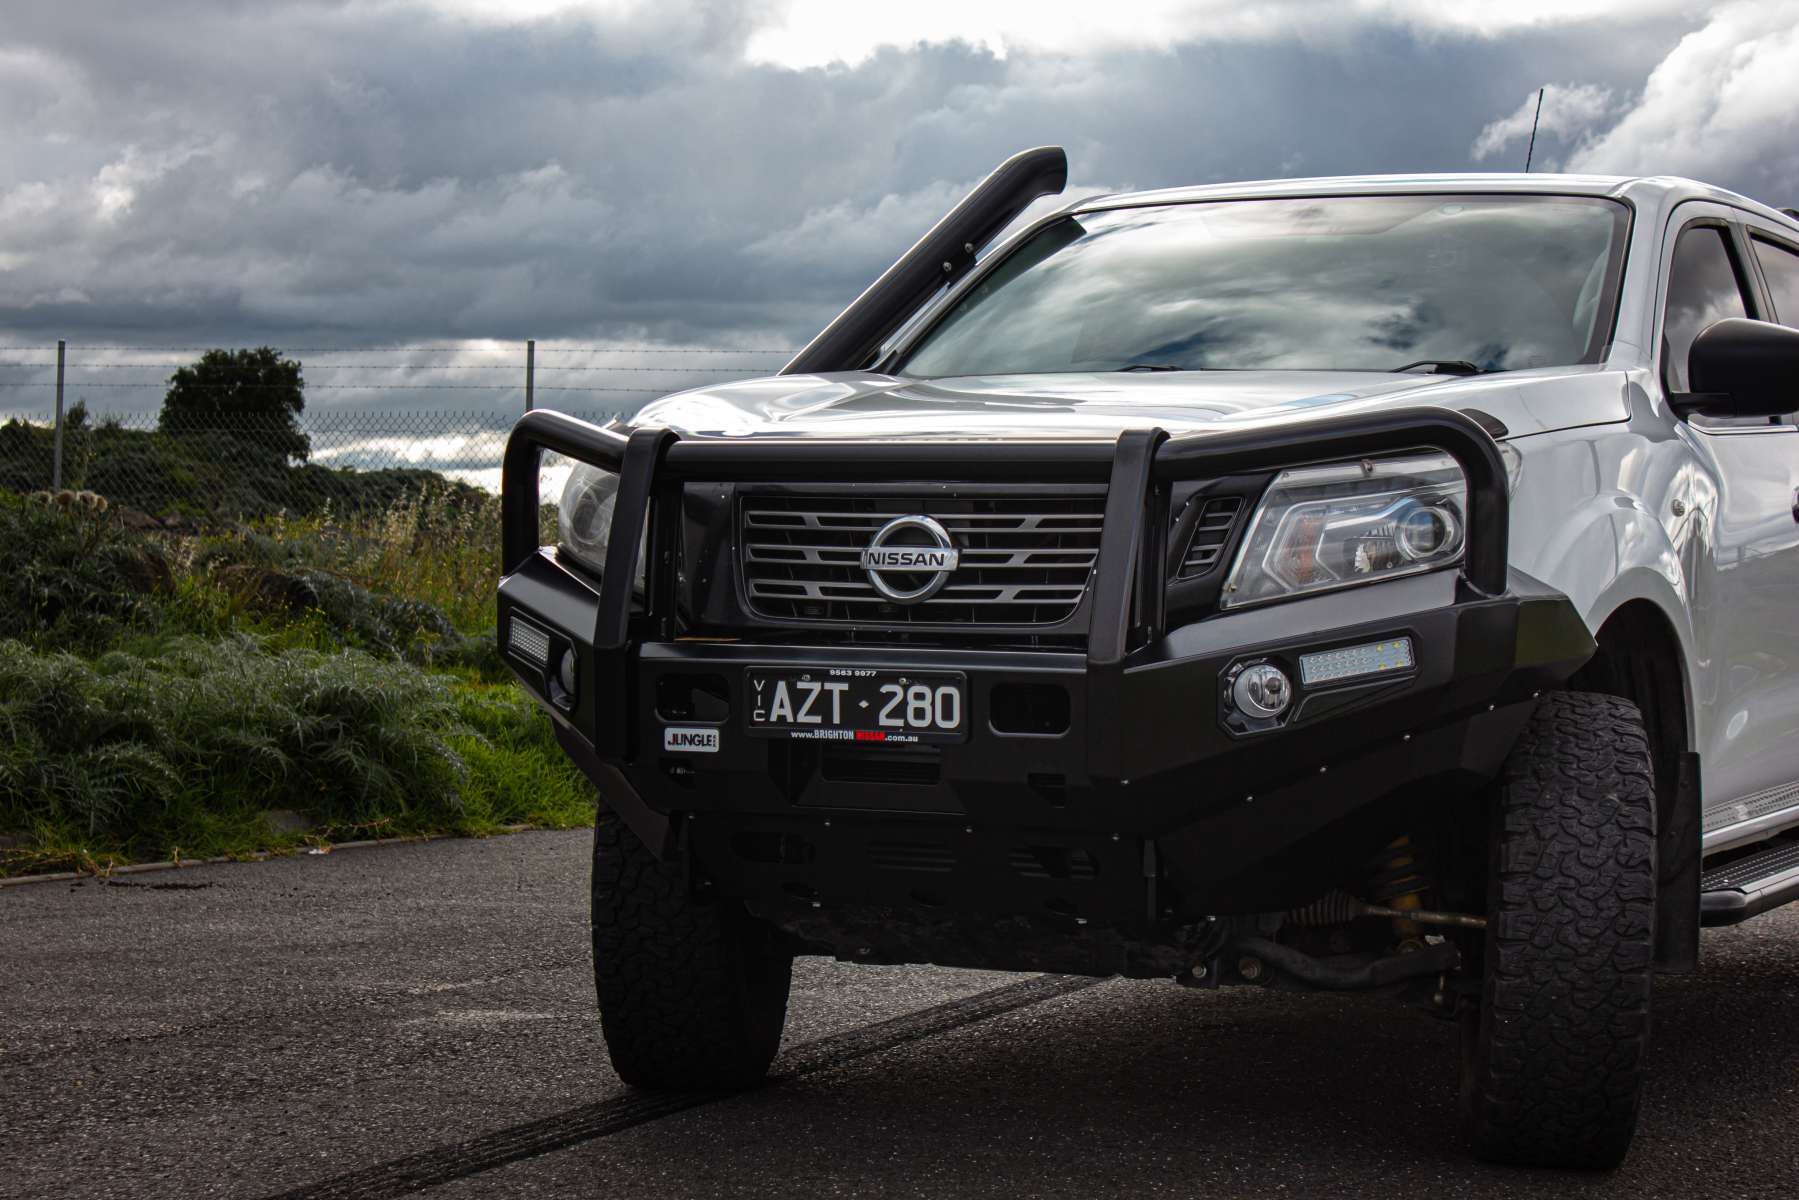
x=584, y=518
x=1320, y=528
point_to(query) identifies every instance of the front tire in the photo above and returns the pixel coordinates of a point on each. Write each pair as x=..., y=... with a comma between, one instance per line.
x=692, y=993
x=1553, y=1057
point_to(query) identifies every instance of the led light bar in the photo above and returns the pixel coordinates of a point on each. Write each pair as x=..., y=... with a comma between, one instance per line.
x=1352, y=662
x=529, y=642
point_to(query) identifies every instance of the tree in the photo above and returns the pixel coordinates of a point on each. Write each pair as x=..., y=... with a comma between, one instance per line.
x=256, y=395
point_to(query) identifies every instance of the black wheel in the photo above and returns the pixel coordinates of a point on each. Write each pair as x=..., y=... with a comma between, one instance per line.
x=1553, y=1056
x=692, y=993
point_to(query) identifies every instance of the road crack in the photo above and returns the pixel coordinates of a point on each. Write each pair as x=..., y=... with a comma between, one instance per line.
x=444, y=1164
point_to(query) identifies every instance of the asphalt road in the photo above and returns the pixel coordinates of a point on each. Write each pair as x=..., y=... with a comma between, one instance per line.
x=378, y=1022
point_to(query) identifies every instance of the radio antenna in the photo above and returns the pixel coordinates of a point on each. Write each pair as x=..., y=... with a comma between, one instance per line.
x=1532, y=148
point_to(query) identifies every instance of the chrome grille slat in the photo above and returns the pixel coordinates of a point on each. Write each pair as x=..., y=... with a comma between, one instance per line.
x=1017, y=594
x=1025, y=558
x=868, y=523
x=833, y=556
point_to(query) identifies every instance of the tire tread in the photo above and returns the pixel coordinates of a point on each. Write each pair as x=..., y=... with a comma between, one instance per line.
x=692, y=995
x=1557, y=1068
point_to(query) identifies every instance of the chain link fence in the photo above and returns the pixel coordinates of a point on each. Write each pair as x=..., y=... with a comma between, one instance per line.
x=241, y=465
x=364, y=441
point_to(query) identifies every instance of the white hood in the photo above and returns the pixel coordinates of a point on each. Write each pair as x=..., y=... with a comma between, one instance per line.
x=1089, y=405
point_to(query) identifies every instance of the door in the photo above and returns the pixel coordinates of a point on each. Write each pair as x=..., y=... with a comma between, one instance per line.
x=1747, y=605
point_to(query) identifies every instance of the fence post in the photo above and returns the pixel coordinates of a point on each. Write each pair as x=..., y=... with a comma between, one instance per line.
x=530, y=373
x=56, y=451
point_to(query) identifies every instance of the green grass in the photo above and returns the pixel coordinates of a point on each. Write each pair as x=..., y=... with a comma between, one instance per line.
x=434, y=548
x=158, y=694
x=517, y=772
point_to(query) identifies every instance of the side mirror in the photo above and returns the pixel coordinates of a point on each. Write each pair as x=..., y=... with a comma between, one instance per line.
x=1742, y=368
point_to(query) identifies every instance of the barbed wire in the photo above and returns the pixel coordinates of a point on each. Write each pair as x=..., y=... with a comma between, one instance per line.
x=243, y=465
x=374, y=444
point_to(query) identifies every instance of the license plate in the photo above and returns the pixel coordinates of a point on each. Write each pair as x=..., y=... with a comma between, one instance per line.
x=857, y=704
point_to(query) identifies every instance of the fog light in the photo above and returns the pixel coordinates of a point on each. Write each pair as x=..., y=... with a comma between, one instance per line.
x=1351, y=662
x=1262, y=691
x=565, y=673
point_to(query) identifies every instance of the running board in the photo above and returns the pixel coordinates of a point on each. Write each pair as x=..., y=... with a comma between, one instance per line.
x=1750, y=886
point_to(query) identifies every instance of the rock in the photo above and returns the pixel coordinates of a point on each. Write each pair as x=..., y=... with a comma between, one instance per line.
x=287, y=820
x=131, y=518
x=264, y=586
x=147, y=571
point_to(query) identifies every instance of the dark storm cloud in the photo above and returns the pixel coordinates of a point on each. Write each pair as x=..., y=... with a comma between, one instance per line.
x=385, y=174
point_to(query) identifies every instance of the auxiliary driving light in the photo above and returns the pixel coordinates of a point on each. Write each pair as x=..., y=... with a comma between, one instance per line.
x=1262, y=691
x=528, y=642
x=1351, y=662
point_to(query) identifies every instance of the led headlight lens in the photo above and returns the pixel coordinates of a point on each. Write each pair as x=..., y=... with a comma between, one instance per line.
x=584, y=518
x=1320, y=528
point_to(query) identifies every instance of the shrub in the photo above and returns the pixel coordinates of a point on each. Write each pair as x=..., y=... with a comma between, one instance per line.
x=27, y=451
x=271, y=573
x=124, y=746
x=411, y=629
x=123, y=735
x=438, y=546
x=72, y=573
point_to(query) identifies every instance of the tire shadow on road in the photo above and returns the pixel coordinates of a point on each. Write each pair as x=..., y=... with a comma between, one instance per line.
x=1137, y=1087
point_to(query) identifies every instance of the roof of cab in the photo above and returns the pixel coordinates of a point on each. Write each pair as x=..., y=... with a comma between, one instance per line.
x=1661, y=191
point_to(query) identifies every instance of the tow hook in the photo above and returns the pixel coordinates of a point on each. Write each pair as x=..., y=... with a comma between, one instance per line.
x=1202, y=974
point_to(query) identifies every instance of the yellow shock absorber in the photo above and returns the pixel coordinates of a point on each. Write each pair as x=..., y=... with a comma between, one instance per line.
x=1399, y=883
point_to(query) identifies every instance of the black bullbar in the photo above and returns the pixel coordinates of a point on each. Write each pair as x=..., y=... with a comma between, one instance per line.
x=1130, y=750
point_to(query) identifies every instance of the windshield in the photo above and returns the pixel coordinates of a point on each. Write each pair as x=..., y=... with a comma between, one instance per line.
x=1369, y=283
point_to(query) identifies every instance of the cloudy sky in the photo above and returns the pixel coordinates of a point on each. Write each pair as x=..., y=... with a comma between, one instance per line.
x=371, y=172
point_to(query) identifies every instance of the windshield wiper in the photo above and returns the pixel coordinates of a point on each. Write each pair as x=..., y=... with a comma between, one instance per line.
x=1442, y=366
x=1151, y=367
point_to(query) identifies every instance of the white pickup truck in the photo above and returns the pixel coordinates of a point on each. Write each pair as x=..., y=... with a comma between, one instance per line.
x=1379, y=583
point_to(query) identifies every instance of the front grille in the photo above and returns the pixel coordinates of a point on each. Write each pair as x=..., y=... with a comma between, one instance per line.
x=1025, y=560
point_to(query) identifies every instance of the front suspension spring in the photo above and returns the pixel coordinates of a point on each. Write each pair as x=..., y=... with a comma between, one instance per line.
x=1398, y=878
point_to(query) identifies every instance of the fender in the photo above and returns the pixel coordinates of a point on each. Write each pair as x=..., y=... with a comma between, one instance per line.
x=1580, y=527
x=1640, y=583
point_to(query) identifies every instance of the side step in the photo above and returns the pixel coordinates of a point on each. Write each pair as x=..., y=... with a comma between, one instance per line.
x=1750, y=886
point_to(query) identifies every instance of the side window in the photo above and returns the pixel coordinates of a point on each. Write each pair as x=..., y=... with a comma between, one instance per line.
x=1702, y=288
x=1780, y=267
